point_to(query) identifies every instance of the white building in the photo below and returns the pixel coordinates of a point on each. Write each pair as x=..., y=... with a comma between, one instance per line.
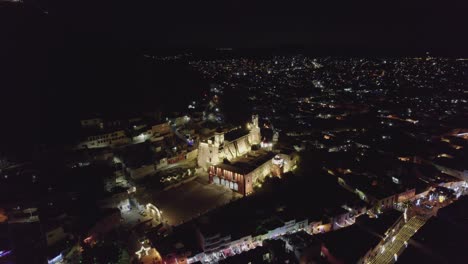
x=109, y=139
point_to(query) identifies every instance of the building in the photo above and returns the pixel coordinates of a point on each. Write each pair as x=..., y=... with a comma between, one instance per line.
x=92, y=123
x=108, y=220
x=306, y=248
x=109, y=139
x=442, y=239
x=58, y=242
x=220, y=234
x=160, y=129
x=256, y=255
x=218, y=243
x=245, y=172
x=350, y=244
x=380, y=194
x=228, y=145
x=28, y=240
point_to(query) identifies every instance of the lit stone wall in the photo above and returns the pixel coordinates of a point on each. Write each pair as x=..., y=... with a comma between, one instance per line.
x=254, y=136
x=192, y=154
x=289, y=162
x=236, y=148
x=209, y=153
x=243, y=146
x=204, y=155
x=257, y=175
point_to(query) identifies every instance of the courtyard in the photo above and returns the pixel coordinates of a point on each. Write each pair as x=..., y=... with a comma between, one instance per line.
x=191, y=199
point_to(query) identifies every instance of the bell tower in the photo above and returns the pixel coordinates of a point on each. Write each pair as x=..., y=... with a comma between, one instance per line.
x=255, y=121
x=254, y=136
x=218, y=138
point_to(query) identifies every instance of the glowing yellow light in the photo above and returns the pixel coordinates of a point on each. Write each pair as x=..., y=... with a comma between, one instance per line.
x=441, y=199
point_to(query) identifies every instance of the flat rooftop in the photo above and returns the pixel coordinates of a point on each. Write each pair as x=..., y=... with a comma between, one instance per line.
x=379, y=187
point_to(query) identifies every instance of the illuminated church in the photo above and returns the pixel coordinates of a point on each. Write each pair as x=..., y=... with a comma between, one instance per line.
x=228, y=145
x=230, y=162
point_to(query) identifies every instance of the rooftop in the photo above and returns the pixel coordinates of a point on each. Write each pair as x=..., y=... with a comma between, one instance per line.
x=182, y=240
x=235, y=134
x=368, y=231
x=247, y=163
x=377, y=187
x=256, y=255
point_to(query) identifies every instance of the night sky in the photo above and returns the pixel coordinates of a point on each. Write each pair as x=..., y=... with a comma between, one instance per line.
x=437, y=26
x=62, y=59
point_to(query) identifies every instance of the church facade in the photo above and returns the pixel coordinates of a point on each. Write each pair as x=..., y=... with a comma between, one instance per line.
x=228, y=145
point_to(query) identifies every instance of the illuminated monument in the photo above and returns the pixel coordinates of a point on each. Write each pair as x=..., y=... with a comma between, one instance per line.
x=228, y=144
x=231, y=162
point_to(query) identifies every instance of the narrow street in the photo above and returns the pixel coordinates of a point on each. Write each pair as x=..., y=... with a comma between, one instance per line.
x=397, y=241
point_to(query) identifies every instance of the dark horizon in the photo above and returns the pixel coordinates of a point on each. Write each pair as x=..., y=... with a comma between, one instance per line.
x=395, y=28
x=57, y=54
x=233, y=132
